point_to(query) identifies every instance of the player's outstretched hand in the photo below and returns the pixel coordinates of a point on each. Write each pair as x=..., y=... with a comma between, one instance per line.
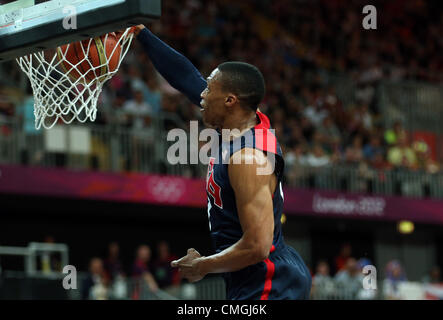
x=138, y=29
x=186, y=261
x=189, y=266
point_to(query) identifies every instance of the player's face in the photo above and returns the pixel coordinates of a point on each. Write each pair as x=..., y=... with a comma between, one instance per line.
x=213, y=101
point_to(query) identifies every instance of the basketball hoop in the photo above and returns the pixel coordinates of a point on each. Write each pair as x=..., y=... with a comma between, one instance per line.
x=67, y=81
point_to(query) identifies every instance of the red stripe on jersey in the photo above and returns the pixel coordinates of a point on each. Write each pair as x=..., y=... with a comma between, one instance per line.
x=264, y=121
x=264, y=139
x=270, y=269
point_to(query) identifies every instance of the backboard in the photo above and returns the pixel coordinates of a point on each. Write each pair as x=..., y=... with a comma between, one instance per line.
x=29, y=26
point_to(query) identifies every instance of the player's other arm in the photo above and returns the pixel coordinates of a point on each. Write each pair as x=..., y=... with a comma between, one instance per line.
x=172, y=65
x=253, y=195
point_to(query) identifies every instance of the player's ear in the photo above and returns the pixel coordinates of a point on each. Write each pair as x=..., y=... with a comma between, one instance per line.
x=230, y=100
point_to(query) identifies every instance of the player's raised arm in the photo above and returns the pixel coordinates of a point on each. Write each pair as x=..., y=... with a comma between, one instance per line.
x=253, y=194
x=172, y=65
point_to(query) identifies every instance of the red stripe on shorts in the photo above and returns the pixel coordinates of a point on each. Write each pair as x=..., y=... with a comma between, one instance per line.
x=270, y=269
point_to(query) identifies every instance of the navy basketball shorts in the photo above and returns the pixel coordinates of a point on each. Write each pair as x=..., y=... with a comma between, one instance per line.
x=283, y=276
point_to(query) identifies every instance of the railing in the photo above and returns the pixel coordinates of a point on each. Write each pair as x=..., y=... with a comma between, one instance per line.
x=385, y=290
x=36, y=250
x=332, y=290
x=418, y=105
x=18, y=285
x=132, y=288
x=117, y=149
x=370, y=181
x=93, y=147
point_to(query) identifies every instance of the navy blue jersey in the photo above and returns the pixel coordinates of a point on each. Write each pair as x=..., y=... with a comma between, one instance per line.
x=222, y=210
x=281, y=276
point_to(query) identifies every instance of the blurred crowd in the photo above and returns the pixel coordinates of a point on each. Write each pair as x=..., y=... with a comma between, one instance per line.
x=109, y=278
x=295, y=44
x=330, y=35
x=348, y=281
x=342, y=277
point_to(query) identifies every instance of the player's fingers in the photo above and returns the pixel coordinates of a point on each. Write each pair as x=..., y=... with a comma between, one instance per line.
x=180, y=263
x=176, y=263
x=184, y=265
x=136, y=29
x=193, y=252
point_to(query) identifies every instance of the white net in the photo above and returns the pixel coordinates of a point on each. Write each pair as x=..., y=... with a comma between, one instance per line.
x=67, y=81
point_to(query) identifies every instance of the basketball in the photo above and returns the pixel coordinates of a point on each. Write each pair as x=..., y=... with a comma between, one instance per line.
x=93, y=58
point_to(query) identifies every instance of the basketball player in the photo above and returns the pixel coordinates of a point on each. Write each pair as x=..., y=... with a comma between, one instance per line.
x=244, y=207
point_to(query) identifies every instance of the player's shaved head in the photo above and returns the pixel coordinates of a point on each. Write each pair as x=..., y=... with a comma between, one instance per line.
x=245, y=81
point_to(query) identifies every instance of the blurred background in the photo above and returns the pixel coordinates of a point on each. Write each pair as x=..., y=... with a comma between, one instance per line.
x=359, y=116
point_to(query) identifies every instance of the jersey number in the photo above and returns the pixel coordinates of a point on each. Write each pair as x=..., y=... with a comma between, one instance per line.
x=212, y=187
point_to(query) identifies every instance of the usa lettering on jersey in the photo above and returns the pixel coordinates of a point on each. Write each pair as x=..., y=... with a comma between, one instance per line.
x=212, y=188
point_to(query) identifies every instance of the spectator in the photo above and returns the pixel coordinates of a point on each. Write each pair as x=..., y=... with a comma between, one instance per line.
x=137, y=111
x=317, y=157
x=151, y=93
x=371, y=149
x=164, y=274
x=295, y=156
x=95, y=286
x=366, y=117
x=349, y=280
x=335, y=108
x=296, y=136
x=142, y=271
x=424, y=158
x=394, y=276
x=296, y=160
x=434, y=276
x=315, y=113
x=114, y=272
x=343, y=256
x=360, y=120
x=307, y=128
x=322, y=282
x=117, y=112
x=336, y=152
x=392, y=135
x=354, y=152
x=138, y=116
x=330, y=134
x=113, y=265
x=402, y=155
x=170, y=105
